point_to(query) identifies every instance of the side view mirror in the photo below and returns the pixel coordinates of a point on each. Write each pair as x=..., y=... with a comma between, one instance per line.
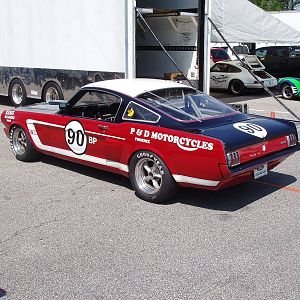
x=62, y=105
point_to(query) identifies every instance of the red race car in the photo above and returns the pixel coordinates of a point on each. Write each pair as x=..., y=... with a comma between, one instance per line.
x=161, y=134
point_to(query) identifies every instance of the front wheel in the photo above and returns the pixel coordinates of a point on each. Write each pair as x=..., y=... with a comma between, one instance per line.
x=287, y=92
x=21, y=145
x=150, y=177
x=236, y=87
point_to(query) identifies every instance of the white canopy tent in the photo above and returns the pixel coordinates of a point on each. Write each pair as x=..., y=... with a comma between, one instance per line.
x=242, y=21
x=238, y=20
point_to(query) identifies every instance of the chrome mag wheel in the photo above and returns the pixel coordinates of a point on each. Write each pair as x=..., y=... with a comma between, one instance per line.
x=148, y=176
x=19, y=141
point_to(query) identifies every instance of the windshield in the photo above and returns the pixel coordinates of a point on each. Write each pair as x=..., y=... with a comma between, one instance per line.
x=186, y=104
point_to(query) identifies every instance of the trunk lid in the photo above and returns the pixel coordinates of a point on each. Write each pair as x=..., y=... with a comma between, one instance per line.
x=254, y=137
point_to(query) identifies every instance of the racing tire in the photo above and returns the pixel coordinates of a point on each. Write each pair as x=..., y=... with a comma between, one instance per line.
x=17, y=93
x=287, y=92
x=51, y=92
x=150, y=177
x=236, y=87
x=21, y=145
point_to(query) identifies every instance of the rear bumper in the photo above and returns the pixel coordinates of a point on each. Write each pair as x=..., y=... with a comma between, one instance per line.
x=245, y=172
x=259, y=86
x=267, y=159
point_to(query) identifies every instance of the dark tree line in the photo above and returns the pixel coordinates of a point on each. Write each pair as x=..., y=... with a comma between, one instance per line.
x=274, y=5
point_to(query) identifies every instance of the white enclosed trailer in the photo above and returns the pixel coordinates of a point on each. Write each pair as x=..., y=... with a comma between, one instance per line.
x=50, y=48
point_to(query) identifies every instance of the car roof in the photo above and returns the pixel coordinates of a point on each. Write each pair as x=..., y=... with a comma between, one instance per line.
x=230, y=62
x=137, y=86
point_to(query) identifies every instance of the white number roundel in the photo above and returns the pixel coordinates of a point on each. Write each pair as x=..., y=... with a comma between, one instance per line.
x=252, y=129
x=75, y=137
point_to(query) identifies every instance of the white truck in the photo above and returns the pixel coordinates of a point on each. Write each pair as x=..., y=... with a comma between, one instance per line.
x=50, y=48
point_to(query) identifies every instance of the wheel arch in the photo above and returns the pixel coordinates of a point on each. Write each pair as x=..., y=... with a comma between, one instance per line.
x=158, y=153
x=234, y=79
x=18, y=124
x=11, y=82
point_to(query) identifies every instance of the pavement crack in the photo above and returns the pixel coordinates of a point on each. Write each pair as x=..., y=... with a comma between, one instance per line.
x=20, y=231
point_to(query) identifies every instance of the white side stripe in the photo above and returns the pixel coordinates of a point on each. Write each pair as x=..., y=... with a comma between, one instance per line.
x=61, y=126
x=29, y=121
x=84, y=157
x=106, y=135
x=196, y=181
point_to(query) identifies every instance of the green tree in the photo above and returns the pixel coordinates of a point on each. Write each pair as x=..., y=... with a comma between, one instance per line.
x=271, y=5
x=274, y=5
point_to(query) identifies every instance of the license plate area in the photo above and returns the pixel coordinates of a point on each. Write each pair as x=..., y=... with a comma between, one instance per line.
x=261, y=171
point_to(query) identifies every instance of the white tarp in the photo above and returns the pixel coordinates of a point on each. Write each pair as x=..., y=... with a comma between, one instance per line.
x=242, y=21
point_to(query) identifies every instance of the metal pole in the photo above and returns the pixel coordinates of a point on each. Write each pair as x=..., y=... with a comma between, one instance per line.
x=200, y=43
x=206, y=42
x=130, y=40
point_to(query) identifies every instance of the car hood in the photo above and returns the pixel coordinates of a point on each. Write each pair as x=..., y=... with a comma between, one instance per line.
x=40, y=108
x=249, y=131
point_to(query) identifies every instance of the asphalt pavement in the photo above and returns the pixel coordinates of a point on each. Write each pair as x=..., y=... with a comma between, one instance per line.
x=73, y=232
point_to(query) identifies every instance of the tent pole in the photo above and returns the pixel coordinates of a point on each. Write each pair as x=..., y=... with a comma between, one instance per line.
x=207, y=39
x=200, y=43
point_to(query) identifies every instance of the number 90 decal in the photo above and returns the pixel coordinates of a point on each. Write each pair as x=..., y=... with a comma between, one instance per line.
x=252, y=129
x=75, y=137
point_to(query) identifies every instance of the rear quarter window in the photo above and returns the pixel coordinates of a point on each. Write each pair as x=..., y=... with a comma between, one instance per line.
x=137, y=112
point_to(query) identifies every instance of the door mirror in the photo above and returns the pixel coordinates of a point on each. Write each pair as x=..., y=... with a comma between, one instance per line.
x=62, y=105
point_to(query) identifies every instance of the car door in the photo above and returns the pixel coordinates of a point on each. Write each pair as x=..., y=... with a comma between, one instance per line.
x=88, y=131
x=276, y=60
x=219, y=76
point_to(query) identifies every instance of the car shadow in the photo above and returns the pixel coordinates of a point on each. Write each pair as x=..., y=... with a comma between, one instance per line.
x=236, y=197
x=2, y=293
x=230, y=199
x=87, y=171
x=4, y=100
x=251, y=95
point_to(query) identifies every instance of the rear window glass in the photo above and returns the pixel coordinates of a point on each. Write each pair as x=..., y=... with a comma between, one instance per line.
x=241, y=49
x=219, y=54
x=186, y=104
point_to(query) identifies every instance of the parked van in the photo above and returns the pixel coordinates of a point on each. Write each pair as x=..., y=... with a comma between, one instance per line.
x=280, y=61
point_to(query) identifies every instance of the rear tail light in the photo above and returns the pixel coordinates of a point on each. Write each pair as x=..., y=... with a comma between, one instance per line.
x=291, y=140
x=233, y=159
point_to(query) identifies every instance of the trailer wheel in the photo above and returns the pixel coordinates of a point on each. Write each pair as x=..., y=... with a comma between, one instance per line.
x=287, y=92
x=17, y=93
x=150, y=177
x=236, y=87
x=52, y=92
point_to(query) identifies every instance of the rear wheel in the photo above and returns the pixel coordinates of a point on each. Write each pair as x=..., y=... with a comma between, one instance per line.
x=21, y=145
x=236, y=87
x=17, y=93
x=151, y=178
x=287, y=92
x=52, y=92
